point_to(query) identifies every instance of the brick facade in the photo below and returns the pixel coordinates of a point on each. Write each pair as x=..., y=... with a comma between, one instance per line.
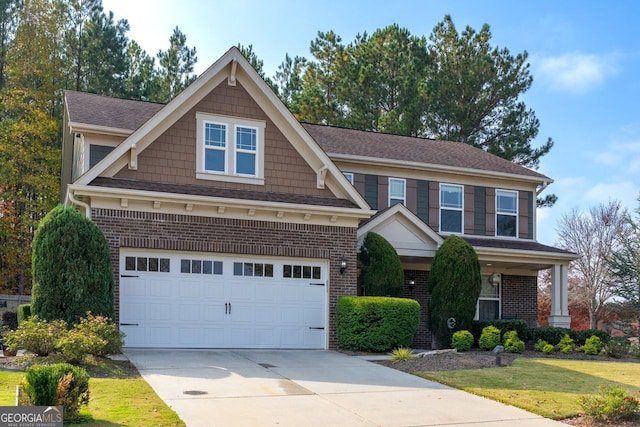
x=519, y=301
x=184, y=233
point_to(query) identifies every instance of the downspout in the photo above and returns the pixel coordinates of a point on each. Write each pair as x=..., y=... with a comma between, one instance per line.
x=74, y=201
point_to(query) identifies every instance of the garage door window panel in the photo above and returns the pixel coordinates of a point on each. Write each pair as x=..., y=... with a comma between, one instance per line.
x=198, y=266
x=132, y=263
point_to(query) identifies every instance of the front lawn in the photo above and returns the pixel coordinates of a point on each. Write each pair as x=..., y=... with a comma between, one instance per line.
x=548, y=387
x=113, y=401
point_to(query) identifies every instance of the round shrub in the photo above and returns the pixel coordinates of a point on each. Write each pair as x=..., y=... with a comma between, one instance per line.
x=548, y=349
x=512, y=343
x=462, y=340
x=489, y=338
x=381, y=271
x=454, y=284
x=71, y=268
x=36, y=335
x=566, y=345
x=58, y=384
x=540, y=345
x=592, y=345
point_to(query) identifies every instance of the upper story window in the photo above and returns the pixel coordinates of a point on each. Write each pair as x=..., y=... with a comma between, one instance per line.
x=397, y=191
x=506, y=213
x=230, y=149
x=451, y=208
x=349, y=176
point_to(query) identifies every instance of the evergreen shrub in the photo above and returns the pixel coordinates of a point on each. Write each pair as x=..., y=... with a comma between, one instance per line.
x=71, y=268
x=454, y=285
x=376, y=324
x=381, y=271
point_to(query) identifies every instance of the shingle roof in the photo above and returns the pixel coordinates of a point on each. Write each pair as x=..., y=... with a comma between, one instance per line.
x=87, y=108
x=91, y=109
x=228, y=193
x=515, y=244
x=334, y=140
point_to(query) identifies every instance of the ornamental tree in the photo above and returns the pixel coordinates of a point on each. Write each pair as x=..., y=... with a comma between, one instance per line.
x=71, y=268
x=454, y=284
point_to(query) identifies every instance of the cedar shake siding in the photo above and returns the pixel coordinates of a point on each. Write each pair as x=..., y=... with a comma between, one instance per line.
x=184, y=233
x=172, y=157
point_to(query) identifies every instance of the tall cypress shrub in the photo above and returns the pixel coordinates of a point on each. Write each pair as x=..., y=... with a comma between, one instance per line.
x=71, y=268
x=454, y=284
x=380, y=267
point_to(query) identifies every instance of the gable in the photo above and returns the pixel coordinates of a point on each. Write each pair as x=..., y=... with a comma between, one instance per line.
x=171, y=158
x=407, y=234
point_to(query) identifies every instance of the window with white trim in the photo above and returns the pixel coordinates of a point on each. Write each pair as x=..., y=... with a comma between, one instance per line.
x=349, y=176
x=230, y=149
x=451, y=208
x=488, y=307
x=397, y=191
x=507, y=213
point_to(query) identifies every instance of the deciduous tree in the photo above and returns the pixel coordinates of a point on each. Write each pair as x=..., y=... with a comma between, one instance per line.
x=594, y=236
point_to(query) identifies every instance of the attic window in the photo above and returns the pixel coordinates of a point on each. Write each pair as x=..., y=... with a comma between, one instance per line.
x=230, y=149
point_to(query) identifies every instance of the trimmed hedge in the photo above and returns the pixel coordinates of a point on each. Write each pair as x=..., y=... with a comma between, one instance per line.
x=376, y=324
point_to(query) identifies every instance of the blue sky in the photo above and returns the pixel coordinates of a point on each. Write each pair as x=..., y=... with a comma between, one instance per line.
x=584, y=56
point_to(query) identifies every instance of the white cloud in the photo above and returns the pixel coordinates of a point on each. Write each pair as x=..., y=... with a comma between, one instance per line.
x=575, y=72
x=626, y=192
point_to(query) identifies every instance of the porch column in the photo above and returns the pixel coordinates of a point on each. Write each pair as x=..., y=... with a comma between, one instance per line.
x=559, y=316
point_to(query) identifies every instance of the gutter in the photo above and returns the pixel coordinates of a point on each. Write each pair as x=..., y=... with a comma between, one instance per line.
x=76, y=202
x=545, y=184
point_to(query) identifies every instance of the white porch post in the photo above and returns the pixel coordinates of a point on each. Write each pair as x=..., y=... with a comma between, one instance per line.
x=559, y=316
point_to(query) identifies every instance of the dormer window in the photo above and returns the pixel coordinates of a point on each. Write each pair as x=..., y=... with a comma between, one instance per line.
x=230, y=149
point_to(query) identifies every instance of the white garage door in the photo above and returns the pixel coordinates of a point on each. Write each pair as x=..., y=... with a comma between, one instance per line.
x=207, y=301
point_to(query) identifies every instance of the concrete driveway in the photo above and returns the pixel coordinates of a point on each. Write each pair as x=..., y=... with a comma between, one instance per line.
x=309, y=388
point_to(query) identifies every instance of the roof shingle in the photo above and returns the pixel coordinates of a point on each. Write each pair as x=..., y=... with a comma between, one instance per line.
x=334, y=140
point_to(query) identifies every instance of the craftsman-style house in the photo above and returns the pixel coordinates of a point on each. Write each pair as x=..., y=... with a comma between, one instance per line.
x=231, y=224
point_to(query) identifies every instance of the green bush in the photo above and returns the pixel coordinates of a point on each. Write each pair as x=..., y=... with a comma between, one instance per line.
x=71, y=267
x=109, y=338
x=36, y=335
x=512, y=343
x=381, y=271
x=617, y=347
x=9, y=320
x=489, y=338
x=635, y=351
x=24, y=312
x=566, y=345
x=550, y=334
x=611, y=404
x=548, y=349
x=592, y=345
x=58, y=384
x=454, y=285
x=75, y=345
x=540, y=345
x=376, y=323
x=520, y=326
x=581, y=337
x=462, y=340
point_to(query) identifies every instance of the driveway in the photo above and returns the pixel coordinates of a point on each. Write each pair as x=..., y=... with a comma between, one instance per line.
x=309, y=388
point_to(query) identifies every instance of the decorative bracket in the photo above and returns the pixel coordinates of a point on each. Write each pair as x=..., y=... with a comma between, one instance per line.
x=322, y=174
x=133, y=160
x=232, y=74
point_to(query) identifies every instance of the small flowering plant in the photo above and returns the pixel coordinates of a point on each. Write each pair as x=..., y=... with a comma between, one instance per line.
x=612, y=403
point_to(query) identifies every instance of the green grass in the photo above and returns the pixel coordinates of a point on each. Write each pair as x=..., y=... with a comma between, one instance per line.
x=114, y=402
x=548, y=387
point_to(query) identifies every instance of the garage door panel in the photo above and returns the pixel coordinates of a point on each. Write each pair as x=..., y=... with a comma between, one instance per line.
x=188, y=312
x=220, y=307
x=159, y=311
x=159, y=288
